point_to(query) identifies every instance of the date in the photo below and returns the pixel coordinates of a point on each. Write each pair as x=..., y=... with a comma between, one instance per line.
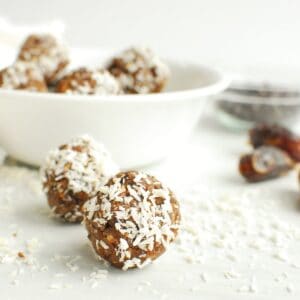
x=266, y=162
x=277, y=136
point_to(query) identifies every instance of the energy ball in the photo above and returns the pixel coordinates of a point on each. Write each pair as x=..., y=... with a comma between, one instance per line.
x=139, y=71
x=132, y=220
x=22, y=76
x=48, y=53
x=73, y=173
x=88, y=82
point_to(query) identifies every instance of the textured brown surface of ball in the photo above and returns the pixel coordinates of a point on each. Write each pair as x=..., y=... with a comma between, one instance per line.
x=47, y=52
x=23, y=76
x=139, y=71
x=132, y=220
x=85, y=81
x=73, y=173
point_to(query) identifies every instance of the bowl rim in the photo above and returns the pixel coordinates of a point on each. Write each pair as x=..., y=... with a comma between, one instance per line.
x=232, y=97
x=219, y=84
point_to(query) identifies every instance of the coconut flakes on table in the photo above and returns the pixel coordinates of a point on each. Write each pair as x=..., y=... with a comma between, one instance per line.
x=95, y=278
x=10, y=254
x=235, y=217
x=231, y=274
x=15, y=282
x=71, y=264
x=59, y=286
x=290, y=288
x=69, y=261
x=295, y=265
x=55, y=286
x=203, y=277
x=230, y=225
x=230, y=222
x=33, y=245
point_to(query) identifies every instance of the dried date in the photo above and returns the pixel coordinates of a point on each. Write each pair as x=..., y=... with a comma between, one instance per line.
x=266, y=162
x=277, y=136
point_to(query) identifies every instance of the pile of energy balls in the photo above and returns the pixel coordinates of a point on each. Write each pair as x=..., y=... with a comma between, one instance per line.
x=42, y=61
x=130, y=217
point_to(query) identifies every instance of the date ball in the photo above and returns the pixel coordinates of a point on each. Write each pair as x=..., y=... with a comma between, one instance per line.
x=139, y=71
x=23, y=76
x=132, y=220
x=73, y=173
x=88, y=82
x=48, y=53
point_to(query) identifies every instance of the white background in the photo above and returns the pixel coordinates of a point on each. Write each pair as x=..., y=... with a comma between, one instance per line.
x=231, y=33
x=224, y=33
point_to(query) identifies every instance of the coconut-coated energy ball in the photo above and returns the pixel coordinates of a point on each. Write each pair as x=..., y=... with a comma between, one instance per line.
x=86, y=81
x=50, y=55
x=132, y=220
x=139, y=71
x=73, y=173
x=22, y=76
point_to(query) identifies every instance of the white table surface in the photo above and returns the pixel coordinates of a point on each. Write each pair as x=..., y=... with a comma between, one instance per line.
x=238, y=35
x=209, y=164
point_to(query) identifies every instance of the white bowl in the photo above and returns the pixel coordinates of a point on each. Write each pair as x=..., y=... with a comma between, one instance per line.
x=137, y=129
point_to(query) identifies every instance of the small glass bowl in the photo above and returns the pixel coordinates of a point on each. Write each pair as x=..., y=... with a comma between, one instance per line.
x=246, y=103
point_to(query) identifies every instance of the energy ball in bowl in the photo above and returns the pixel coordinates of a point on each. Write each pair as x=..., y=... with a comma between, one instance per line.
x=23, y=76
x=139, y=71
x=88, y=82
x=73, y=173
x=132, y=220
x=48, y=53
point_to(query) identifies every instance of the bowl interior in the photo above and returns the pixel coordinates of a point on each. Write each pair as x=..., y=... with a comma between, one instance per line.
x=184, y=75
x=186, y=78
